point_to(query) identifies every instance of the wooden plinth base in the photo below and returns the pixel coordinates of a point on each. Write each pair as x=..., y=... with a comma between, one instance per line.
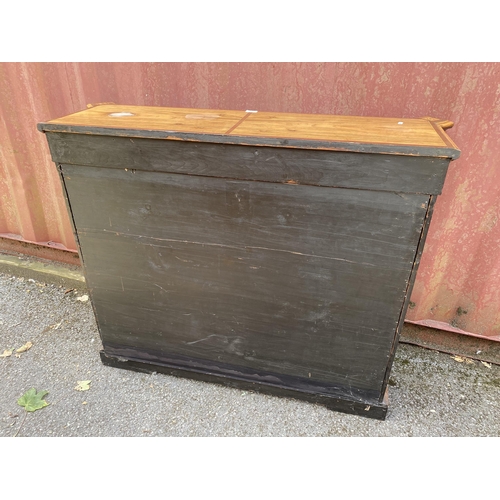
x=368, y=409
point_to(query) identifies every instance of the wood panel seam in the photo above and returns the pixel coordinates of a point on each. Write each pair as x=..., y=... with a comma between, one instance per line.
x=444, y=137
x=237, y=124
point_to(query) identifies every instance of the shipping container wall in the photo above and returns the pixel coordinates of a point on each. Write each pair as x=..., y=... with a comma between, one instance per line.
x=457, y=283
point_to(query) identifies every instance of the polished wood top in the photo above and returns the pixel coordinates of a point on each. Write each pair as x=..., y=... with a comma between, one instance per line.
x=341, y=128
x=331, y=132
x=206, y=121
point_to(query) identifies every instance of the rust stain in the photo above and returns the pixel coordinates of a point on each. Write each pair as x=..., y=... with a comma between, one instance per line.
x=460, y=266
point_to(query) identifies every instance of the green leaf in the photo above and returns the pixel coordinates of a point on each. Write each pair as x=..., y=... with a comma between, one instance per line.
x=33, y=401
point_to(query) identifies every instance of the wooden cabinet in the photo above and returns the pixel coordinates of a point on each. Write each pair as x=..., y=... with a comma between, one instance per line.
x=273, y=252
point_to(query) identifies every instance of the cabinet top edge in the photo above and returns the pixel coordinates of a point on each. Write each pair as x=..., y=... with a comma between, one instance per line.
x=405, y=136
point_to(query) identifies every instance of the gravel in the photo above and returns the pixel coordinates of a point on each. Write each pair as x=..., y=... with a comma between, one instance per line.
x=430, y=393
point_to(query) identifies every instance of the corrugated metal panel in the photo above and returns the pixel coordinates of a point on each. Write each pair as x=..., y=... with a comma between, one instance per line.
x=32, y=206
x=457, y=284
x=459, y=278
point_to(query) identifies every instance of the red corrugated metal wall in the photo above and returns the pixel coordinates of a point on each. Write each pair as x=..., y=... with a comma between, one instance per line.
x=457, y=284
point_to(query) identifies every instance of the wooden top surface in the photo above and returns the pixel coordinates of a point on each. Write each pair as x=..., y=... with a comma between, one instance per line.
x=330, y=132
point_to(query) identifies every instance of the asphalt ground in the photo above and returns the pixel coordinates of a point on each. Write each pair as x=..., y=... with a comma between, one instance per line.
x=318, y=453
x=430, y=393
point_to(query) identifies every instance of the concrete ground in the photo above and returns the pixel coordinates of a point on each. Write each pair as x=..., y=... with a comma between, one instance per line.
x=430, y=394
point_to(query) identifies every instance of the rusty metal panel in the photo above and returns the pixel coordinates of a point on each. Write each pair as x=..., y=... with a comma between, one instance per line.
x=457, y=283
x=32, y=206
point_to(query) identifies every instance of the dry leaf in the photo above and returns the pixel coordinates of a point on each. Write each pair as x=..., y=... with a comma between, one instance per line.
x=6, y=353
x=461, y=359
x=83, y=298
x=83, y=385
x=25, y=347
x=488, y=365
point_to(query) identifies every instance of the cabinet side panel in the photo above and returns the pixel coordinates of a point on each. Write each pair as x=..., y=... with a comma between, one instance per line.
x=404, y=308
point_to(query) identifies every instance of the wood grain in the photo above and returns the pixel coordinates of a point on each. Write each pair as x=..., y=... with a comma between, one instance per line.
x=207, y=121
x=360, y=129
x=397, y=135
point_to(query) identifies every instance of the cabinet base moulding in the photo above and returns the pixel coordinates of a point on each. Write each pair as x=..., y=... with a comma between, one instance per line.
x=370, y=409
